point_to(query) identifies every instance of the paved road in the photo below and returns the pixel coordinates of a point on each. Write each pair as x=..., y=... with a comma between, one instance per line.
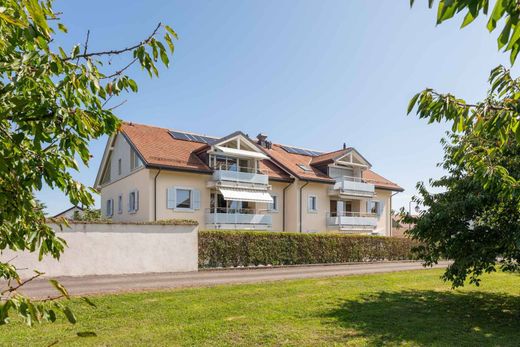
x=41, y=288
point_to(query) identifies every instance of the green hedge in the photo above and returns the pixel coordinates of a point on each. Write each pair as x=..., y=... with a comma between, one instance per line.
x=252, y=248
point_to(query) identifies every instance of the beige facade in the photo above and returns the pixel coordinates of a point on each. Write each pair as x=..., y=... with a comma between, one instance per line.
x=237, y=195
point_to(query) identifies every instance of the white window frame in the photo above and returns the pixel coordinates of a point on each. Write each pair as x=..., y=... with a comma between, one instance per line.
x=273, y=206
x=378, y=205
x=135, y=161
x=120, y=204
x=135, y=207
x=176, y=207
x=310, y=208
x=171, y=203
x=109, y=209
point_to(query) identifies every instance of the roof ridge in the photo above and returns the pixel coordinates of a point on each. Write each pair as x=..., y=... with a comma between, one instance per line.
x=168, y=129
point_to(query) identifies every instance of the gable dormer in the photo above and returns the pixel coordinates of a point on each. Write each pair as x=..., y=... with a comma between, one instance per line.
x=235, y=152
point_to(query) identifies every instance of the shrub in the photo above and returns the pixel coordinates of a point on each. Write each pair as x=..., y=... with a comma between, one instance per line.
x=253, y=248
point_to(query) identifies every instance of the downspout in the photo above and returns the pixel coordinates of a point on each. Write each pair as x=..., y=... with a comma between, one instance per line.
x=283, y=212
x=301, y=217
x=391, y=220
x=155, y=195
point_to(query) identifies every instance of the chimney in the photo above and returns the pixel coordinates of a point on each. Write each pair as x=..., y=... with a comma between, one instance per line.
x=344, y=145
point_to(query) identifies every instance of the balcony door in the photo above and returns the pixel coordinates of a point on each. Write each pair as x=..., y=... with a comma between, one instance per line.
x=219, y=205
x=340, y=208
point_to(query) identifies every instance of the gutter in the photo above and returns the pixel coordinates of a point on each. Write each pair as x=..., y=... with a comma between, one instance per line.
x=155, y=195
x=301, y=190
x=283, y=207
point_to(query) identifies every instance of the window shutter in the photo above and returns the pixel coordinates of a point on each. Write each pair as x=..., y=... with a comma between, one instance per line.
x=130, y=202
x=381, y=207
x=196, y=199
x=170, y=198
x=309, y=203
x=136, y=200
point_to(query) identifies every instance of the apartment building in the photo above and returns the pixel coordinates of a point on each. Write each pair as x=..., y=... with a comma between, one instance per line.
x=235, y=182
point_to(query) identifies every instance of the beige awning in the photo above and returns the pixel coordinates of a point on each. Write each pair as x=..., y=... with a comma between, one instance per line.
x=241, y=194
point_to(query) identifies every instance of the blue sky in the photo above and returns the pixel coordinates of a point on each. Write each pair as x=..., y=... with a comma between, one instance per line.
x=308, y=73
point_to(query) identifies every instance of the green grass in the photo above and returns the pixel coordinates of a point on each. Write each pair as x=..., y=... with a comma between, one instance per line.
x=408, y=308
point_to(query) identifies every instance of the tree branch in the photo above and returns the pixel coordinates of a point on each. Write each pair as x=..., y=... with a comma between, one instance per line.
x=119, y=51
x=13, y=289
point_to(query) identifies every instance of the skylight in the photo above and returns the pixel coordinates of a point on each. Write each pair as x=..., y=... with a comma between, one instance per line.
x=304, y=167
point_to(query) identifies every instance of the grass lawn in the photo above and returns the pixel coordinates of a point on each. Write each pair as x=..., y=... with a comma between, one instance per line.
x=412, y=308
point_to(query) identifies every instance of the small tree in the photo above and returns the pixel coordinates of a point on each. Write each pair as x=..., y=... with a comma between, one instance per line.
x=53, y=101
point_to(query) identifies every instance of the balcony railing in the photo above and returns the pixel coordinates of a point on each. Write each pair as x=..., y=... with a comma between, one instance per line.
x=355, y=186
x=234, y=173
x=352, y=219
x=222, y=215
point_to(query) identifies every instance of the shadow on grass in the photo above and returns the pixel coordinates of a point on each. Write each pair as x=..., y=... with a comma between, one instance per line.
x=432, y=318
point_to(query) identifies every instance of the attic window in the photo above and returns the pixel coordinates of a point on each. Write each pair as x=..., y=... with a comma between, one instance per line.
x=304, y=167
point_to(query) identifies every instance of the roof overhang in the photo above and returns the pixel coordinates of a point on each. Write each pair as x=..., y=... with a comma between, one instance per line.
x=238, y=152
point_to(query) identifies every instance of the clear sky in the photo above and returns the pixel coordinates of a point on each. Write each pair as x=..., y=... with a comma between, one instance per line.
x=314, y=74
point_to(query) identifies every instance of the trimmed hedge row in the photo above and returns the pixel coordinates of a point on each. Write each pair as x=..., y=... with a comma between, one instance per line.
x=252, y=248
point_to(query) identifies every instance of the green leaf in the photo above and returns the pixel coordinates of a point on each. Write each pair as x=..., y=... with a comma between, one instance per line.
x=503, y=38
x=468, y=19
x=12, y=20
x=498, y=12
x=70, y=315
x=412, y=103
x=88, y=301
x=62, y=27
x=171, y=31
x=59, y=287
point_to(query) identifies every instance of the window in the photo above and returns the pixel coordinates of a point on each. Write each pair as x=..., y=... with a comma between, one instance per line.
x=134, y=160
x=133, y=201
x=313, y=204
x=305, y=167
x=376, y=207
x=120, y=203
x=183, y=199
x=273, y=207
x=119, y=166
x=110, y=207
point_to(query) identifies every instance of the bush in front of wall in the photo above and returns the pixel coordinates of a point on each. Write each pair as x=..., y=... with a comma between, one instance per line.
x=253, y=248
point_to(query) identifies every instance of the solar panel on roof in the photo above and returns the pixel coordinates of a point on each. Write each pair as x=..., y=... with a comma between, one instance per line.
x=301, y=151
x=191, y=137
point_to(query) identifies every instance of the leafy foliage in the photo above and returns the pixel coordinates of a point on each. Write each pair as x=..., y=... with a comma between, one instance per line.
x=53, y=101
x=506, y=10
x=470, y=222
x=476, y=220
x=88, y=215
x=249, y=248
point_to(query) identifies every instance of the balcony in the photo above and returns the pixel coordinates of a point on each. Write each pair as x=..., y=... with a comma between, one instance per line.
x=352, y=186
x=256, y=219
x=352, y=220
x=237, y=174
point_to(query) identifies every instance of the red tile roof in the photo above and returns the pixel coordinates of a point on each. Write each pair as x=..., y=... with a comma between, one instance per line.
x=159, y=149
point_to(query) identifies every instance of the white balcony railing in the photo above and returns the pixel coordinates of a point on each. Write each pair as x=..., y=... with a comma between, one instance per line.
x=352, y=219
x=237, y=216
x=233, y=173
x=355, y=186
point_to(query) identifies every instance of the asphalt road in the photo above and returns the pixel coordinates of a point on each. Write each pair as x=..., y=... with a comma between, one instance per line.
x=40, y=288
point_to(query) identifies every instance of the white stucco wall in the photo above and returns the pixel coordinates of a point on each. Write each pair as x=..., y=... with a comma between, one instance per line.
x=100, y=249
